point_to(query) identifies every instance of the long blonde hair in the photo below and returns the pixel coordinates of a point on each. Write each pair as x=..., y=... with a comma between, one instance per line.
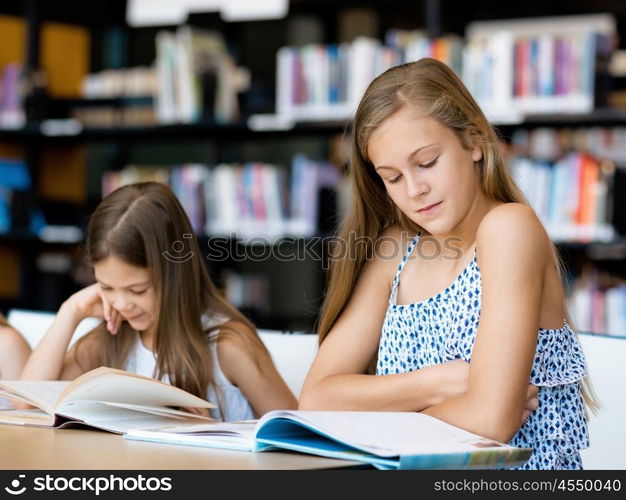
x=137, y=223
x=433, y=89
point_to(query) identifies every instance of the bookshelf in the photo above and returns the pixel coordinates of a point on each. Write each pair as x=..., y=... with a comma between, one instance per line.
x=249, y=138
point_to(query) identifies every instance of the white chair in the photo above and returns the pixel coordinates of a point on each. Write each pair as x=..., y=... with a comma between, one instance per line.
x=606, y=363
x=292, y=353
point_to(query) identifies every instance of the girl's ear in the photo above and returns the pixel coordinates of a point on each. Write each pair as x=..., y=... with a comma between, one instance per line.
x=472, y=138
x=477, y=153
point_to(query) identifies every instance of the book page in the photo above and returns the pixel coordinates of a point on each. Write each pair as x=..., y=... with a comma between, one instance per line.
x=161, y=410
x=225, y=441
x=114, y=418
x=388, y=433
x=26, y=417
x=109, y=384
x=228, y=435
x=240, y=428
x=41, y=393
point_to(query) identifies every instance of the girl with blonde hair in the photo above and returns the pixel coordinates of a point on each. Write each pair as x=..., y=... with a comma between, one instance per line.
x=454, y=291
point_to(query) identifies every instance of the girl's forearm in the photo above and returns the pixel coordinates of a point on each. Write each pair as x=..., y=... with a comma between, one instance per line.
x=470, y=413
x=413, y=391
x=46, y=360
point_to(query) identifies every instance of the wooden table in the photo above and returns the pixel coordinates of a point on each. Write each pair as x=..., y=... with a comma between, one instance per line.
x=27, y=448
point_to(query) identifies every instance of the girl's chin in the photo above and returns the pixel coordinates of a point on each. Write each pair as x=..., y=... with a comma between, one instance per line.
x=139, y=322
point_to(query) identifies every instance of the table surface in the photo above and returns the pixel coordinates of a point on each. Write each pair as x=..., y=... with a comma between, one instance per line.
x=27, y=448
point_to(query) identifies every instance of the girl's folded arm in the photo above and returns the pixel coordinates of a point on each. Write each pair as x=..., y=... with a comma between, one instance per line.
x=513, y=251
x=337, y=379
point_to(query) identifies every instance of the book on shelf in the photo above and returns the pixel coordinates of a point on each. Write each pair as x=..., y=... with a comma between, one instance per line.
x=573, y=196
x=597, y=303
x=12, y=115
x=538, y=65
x=326, y=82
x=251, y=200
x=105, y=398
x=387, y=440
x=196, y=77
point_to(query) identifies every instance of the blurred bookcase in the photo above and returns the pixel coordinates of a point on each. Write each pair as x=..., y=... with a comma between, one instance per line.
x=89, y=103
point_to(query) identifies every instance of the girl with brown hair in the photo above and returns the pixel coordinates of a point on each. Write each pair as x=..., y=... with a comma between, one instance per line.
x=455, y=290
x=163, y=316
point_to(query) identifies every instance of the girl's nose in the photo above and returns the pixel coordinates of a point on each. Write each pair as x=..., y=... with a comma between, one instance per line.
x=122, y=304
x=416, y=187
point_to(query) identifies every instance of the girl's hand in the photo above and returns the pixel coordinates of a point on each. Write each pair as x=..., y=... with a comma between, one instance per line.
x=203, y=412
x=532, y=401
x=89, y=302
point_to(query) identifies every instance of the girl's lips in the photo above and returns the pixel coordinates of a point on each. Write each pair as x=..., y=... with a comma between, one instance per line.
x=428, y=208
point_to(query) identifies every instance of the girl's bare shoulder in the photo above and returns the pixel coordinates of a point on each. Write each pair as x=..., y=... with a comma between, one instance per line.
x=512, y=231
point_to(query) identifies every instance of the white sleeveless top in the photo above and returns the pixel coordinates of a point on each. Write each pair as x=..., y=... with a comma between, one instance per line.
x=231, y=403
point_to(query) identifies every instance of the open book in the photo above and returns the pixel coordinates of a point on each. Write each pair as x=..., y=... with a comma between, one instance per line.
x=105, y=398
x=387, y=440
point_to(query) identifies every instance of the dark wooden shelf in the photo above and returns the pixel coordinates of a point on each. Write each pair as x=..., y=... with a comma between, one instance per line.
x=30, y=240
x=213, y=131
x=207, y=131
x=598, y=117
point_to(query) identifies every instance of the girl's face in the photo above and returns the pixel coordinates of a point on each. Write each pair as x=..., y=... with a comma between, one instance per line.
x=426, y=171
x=129, y=290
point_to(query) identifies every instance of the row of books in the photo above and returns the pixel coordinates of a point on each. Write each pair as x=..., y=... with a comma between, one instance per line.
x=512, y=68
x=599, y=308
x=325, y=82
x=128, y=82
x=542, y=65
x=572, y=197
x=251, y=200
x=12, y=113
x=115, y=116
x=547, y=143
x=197, y=79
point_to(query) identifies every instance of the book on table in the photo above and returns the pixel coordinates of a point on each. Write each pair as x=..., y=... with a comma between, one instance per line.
x=105, y=398
x=387, y=440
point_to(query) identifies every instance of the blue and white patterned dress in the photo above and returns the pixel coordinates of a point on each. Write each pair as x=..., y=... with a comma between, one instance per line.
x=443, y=328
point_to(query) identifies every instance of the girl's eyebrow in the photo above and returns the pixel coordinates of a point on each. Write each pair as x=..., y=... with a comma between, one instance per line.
x=410, y=157
x=129, y=286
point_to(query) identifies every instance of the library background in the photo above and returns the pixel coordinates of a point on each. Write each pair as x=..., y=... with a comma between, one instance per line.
x=246, y=115
x=243, y=108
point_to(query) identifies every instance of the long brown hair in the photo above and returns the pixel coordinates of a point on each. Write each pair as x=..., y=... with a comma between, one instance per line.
x=435, y=91
x=137, y=223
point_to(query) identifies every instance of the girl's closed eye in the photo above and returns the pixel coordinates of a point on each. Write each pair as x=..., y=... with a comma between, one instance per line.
x=430, y=163
x=138, y=292
x=393, y=180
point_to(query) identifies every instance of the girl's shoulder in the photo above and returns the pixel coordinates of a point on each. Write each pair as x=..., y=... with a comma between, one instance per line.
x=212, y=319
x=510, y=220
x=10, y=338
x=512, y=231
